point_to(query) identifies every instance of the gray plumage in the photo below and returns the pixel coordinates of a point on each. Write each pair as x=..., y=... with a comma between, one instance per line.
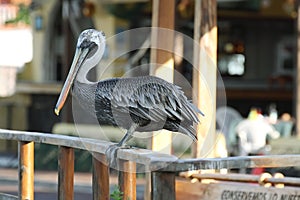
x=145, y=103
x=150, y=102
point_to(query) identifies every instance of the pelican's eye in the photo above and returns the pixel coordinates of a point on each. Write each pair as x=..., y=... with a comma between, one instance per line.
x=91, y=46
x=92, y=50
x=86, y=44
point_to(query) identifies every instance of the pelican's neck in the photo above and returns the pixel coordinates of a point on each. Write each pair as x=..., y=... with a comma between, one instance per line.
x=85, y=95
x=82, y=74
x=88, y=65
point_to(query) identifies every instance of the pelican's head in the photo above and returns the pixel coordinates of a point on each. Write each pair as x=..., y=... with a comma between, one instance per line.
x=90, y=47
x=89, y=50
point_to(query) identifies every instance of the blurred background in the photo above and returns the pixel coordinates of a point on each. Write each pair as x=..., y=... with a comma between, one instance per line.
x=257, y=59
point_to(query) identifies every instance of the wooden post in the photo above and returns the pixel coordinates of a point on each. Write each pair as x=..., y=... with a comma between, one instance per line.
x=163, y=16
x=100, y=177
x=65, y=173
x=205, y=75
x=127, y=179
x=297, y=82
x=163, y=186
x=163, y=13
x=26, y=170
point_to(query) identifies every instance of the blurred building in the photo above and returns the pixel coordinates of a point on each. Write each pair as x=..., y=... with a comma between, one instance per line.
x=256, y=53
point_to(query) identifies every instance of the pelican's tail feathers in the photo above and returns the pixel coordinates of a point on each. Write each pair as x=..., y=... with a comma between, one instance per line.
x=189, y=131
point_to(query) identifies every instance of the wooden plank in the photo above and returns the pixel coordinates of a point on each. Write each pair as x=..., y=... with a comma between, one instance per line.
x=163, y=186
x=222, y=191
x=127, y=179
x=229, y=177
x=16, y=100
x=154, y=160
x=232, y=163
x=100, y=177
x=65, y=173
x=56, y=139
x=205, y=75
x=8, y=197
x=38, y=88
x=26, y=170
x=264, y=178
x=142, y=156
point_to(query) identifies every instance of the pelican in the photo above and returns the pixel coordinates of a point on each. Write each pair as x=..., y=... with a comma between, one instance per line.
x=141, y=104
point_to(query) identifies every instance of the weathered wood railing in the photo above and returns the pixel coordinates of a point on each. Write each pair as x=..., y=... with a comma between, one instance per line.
x=162, y=167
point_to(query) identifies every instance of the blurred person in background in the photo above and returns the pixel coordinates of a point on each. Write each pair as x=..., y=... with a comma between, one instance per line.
x=253, y=134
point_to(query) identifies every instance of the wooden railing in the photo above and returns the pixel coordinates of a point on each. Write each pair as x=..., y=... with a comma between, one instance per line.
x=161, y=166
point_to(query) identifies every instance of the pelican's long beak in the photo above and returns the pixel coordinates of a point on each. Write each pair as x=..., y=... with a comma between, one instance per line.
x=78, y=59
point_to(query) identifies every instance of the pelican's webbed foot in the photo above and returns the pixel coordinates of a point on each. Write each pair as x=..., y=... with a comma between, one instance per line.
x=111, y=154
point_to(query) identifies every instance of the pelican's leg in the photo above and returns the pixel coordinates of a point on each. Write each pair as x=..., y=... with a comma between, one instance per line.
x=127, y=136
x=111, y=152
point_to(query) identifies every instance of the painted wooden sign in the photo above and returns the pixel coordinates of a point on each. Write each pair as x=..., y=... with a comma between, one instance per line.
x=234, y=191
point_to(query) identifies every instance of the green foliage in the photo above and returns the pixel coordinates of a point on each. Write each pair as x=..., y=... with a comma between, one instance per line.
x=46, y=158
x=23, y=16
x=116, y=194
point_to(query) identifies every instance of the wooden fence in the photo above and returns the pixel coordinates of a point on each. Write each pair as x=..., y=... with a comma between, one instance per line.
x=163, y=168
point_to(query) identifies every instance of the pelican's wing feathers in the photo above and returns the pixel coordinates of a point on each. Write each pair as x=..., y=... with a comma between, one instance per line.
x=154, y=99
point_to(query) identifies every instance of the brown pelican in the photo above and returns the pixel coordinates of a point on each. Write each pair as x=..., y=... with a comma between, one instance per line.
x=143, y=104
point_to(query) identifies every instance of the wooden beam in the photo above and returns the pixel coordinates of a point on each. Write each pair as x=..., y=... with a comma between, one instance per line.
x=205, y=75
x=163, y=186
x=249, y=178
x=270, y=161
x=26, y=170
x=65, y=173
x=154, y=160
x=8, y=197
x=162, y=39
x=100, y=177
x=162, y=65
x=127, y=179
x=162, y=61
x=38, y=88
